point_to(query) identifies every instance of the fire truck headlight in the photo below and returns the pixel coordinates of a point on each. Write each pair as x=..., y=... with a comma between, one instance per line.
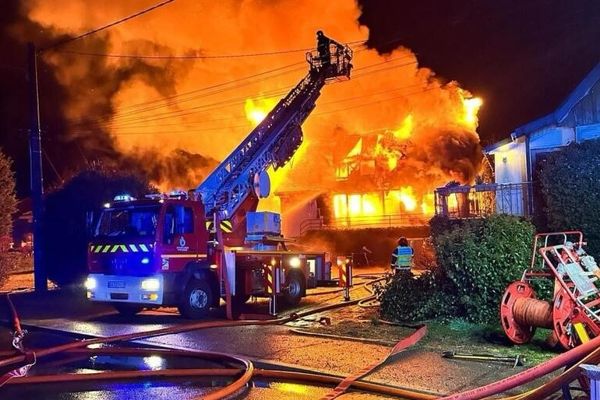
x=90, y=283
x=295, y=262
x=150, y=284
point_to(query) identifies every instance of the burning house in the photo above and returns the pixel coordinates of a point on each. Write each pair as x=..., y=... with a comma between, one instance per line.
x=386, y=178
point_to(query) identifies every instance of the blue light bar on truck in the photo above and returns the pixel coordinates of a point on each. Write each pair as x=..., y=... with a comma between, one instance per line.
x=124, y=197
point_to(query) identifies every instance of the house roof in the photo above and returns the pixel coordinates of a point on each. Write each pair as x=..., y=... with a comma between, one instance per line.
x=558, y=115
x=490, y=148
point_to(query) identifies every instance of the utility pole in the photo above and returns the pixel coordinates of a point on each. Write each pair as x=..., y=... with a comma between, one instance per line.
x=35, y=170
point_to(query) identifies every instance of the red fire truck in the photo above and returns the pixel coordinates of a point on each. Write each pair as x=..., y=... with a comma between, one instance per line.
x=191, y=249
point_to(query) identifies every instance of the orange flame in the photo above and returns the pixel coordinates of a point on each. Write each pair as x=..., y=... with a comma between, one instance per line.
x=471, y=108
x=361, y=208
x=407, y=197
x=405, y=129
x=256, y=110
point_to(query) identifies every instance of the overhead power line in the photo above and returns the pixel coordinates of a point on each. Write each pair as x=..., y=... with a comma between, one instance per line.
x=137, y=117
x=194, y=56
x=224, y=86
x=223, y=128
x=117, y=22
x=333, y=111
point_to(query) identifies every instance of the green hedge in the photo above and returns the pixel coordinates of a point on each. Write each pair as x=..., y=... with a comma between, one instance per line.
x=569, y=184
x=476, y=260
x=407, y=298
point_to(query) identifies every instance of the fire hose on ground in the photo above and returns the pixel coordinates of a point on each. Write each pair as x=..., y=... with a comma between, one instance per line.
x=588, y=352
x=232, y=388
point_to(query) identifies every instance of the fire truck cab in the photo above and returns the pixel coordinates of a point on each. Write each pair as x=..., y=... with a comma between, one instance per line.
x=143, y=251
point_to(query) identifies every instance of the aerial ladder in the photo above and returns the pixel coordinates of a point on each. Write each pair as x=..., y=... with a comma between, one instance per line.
x=234, y=187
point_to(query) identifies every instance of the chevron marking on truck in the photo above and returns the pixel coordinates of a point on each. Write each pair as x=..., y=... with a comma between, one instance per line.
x=269, y=279
x=125, y=248
x=226, y=226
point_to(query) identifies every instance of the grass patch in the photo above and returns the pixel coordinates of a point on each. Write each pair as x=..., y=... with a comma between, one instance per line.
x=461, y=336
x=456, y=335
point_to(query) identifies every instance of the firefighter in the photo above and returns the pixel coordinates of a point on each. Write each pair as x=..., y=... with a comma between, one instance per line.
x=402, y=256
x=323, y=43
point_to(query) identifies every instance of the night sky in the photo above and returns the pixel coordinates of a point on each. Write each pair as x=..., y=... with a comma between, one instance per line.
x=522, y=57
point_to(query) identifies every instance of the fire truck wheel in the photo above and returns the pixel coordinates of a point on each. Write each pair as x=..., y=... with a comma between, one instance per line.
x=292, y=293
x=127, y=310
x=197, y=299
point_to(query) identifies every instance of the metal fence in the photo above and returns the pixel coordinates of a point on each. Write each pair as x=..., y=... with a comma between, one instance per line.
x=461, y=201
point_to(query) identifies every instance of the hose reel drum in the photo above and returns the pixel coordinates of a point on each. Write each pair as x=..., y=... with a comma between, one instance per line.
x=573, y=314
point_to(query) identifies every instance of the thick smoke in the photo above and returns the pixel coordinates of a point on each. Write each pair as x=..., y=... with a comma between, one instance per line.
x=178, y=169
x=147, y=110
x=77, y=95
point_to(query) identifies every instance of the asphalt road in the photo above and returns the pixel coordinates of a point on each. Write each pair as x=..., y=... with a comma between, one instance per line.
x=74, y=318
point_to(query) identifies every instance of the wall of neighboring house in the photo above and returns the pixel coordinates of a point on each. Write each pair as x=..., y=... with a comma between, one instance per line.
x=509, y=161
x=547, y=140
x=510, y=167
x=586, y=111
x=587, y=132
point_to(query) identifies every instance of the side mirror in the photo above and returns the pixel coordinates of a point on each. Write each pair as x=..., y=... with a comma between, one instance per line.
x=89, y=222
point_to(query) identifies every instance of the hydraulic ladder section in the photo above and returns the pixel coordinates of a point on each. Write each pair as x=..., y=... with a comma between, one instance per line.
x=275, y=140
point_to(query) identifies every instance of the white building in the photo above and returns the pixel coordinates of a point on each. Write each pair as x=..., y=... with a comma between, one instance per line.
x=577, y=119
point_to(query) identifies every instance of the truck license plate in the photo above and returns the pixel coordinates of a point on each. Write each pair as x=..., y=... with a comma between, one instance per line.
x=116, y=284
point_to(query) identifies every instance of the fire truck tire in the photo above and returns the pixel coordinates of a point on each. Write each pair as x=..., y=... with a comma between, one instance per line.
x=294, y=289
x=127, y=310
x=198, y=297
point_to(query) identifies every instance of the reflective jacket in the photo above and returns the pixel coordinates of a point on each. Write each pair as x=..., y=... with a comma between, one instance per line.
x=402, y=257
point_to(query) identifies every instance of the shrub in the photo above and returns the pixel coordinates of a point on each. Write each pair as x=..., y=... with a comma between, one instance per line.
x=64, y=228
x=481, y=258
x=8, y=202
x=569, y=184
x=408, y=298
x=13, y=262
x=476, y=260
x=439, y=225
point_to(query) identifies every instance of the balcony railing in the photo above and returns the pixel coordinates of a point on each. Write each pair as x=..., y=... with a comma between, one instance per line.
x=362, y=222
x=463, y=201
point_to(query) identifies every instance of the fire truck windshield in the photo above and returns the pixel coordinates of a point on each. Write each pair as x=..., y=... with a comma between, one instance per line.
x=128, y=222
